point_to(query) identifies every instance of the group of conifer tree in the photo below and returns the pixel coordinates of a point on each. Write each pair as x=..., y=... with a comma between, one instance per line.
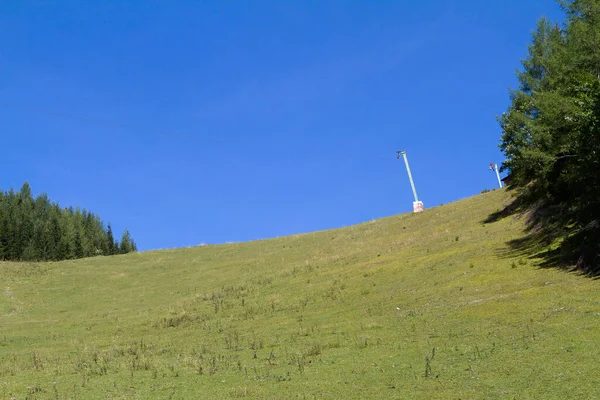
x=36, y=229
x=551, y=132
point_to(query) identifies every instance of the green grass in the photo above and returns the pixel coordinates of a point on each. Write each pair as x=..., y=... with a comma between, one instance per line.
x=423, y=306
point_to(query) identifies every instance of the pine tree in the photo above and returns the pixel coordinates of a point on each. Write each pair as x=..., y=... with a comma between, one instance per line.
x=551, y=131
x=37, y=229
x=55, y=234
x=3, y=227
x=526, y=141
x=78, y=250
x=127, y=244
x=110, y=242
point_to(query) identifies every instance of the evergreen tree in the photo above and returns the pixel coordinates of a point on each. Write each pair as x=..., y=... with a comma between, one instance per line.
x=37, y=229
x=55, y=234
x=110, y=242
x=12, y=233
x=551, y=131
x=4, y=232
x=127, y=244
x=78, y=250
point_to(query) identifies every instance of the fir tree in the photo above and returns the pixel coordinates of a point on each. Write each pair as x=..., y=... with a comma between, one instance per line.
x=37, y=229
x=110, y=242
x=127, y=244
x=551, y=132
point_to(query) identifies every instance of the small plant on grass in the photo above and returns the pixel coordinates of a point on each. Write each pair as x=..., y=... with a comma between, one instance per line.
x=428, y=359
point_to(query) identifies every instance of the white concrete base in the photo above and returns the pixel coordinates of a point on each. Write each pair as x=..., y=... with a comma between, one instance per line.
x=417, y=206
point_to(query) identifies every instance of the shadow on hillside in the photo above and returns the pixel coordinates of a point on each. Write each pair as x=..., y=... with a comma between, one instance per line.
x=507, y=211
x=535, y=248
x=539, y=242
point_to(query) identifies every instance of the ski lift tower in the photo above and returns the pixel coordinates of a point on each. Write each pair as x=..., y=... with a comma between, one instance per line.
x=494, y=167
x=417, y=205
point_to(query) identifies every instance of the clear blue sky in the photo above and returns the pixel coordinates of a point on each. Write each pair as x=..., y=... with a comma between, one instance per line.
x=249, y=120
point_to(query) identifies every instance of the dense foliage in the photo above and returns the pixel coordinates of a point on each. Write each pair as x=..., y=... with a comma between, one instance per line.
x=551, y=132
x=36, y=229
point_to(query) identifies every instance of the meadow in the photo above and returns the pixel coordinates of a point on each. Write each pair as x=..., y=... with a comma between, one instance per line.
x=434, y=305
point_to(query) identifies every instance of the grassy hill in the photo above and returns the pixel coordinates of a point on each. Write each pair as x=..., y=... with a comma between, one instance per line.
x=424, y=306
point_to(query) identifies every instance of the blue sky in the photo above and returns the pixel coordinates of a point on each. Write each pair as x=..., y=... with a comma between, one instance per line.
x=210, y=122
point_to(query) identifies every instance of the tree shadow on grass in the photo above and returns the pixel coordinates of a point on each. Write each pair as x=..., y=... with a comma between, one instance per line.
x=535, y=248
x=510, y=209
x=540, y=242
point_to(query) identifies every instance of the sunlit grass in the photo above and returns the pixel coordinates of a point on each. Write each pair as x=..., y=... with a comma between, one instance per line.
x=430, y=305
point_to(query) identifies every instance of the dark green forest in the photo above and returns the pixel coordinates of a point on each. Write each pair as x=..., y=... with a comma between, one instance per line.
x=551, y=135
x=37, y=229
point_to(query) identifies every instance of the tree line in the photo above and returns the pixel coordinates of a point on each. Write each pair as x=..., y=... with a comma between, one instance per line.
x=551, y=133
x=37, y=229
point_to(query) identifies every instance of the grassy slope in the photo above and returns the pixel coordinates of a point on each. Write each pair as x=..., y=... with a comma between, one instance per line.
x=429, y=305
